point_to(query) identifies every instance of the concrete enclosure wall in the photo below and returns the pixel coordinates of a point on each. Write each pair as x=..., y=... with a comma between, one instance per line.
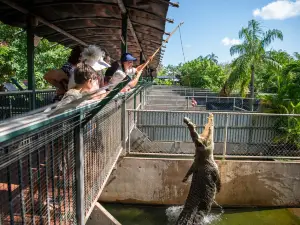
x=244, y=183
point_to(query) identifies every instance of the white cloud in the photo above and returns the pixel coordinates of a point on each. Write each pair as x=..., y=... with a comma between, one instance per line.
x=188, y=46
x=279, y=10
x=228, y=42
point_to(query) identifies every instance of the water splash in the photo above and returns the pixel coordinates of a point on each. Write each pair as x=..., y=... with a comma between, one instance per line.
x=173, y=213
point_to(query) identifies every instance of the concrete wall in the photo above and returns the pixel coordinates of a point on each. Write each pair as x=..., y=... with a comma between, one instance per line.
x=244, y=183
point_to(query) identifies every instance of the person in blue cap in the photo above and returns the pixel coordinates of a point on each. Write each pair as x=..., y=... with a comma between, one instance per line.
x=126, y=69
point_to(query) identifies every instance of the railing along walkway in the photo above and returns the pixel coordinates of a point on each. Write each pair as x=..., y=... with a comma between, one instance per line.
x=53, y=169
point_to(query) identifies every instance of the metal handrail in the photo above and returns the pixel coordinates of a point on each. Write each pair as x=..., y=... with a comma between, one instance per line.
x=217, y=112
x=25, y=92
x=41, y=120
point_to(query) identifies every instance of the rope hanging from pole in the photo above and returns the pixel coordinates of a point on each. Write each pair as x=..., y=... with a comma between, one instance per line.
x=181, y=45
x=165, y=41
x=183, y=53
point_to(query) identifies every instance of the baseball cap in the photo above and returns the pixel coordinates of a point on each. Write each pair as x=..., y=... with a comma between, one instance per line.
x=127, y=57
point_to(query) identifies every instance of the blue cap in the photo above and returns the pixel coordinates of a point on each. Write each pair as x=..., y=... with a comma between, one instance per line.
x=127, y=57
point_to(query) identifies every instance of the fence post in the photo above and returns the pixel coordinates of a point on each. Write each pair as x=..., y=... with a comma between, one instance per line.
x=233, y=103
x=187, y=102
x=79, y=172
x=134, y=107
x=128, y=150
x=141, y=98
x=225, y=136
x=123, y=121
x=145, y=97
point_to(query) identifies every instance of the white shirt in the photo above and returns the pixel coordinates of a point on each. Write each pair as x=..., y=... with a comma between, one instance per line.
x=131, y=72
x=119, y=75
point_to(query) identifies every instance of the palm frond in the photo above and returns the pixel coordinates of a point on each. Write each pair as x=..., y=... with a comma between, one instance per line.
x=292, y=67
x=239, y=49
x=271, y=62
x=244, y=34
x=244, y=86
x=270, y=36
x=241, y=67
x=255, y=30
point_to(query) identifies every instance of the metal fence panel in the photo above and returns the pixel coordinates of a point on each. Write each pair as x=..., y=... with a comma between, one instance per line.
x=238, y=134
x=102, y=142
x=38, y=169
x=37, y=177
x=16, y=103
x=205, y=101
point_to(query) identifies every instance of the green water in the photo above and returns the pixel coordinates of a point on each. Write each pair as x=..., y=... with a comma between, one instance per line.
x=147, y=215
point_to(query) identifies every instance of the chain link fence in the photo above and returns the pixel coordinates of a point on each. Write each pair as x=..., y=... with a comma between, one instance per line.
x=235, y=134
x=102, y=144
x=37, y=176
x=207, y=102
x=52, y=171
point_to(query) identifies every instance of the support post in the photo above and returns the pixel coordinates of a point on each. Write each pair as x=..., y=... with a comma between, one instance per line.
x=187, y=102
x=124, y=32
x=141, y=58
x=30, y=59
x=141, y=98
x=123, y=121
x=234, y=104
x=79, y=172
x=134, y=106
x=225, y=137
x=141, y=62
x=128, y=149
x=145, y=96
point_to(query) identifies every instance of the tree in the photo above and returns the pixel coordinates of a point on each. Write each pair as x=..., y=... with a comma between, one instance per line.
x=288, y=90
x=297, y=55
x=13, y=56
x=212, y=57
x=268, y=77
x=202, y=73
x=6, y=64
x=252, y=52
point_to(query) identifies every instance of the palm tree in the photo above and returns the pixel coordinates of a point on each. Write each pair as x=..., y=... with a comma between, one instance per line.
x=252, y=52
x=212, y=57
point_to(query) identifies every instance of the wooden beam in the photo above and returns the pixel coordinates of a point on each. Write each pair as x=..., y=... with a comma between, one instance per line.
x=42, y=20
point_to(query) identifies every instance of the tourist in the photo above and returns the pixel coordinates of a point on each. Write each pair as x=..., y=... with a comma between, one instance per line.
x=60, y=78
x=126, y=69
x=107, y=58
x=84, y=76
x=110, y=72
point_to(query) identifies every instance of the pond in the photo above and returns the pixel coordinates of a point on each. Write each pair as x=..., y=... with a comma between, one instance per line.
x=159, y=215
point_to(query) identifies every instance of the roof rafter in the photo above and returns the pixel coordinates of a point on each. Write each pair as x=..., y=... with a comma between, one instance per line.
x=42, y=20
x=129, y=23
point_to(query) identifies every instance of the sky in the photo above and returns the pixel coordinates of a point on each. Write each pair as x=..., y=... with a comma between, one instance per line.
x=213, y=26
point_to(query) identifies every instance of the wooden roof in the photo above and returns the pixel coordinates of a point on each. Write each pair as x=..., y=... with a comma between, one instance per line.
x=95, y=22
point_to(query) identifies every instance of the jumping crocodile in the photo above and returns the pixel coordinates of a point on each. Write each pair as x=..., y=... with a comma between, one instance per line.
x=205, y=181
